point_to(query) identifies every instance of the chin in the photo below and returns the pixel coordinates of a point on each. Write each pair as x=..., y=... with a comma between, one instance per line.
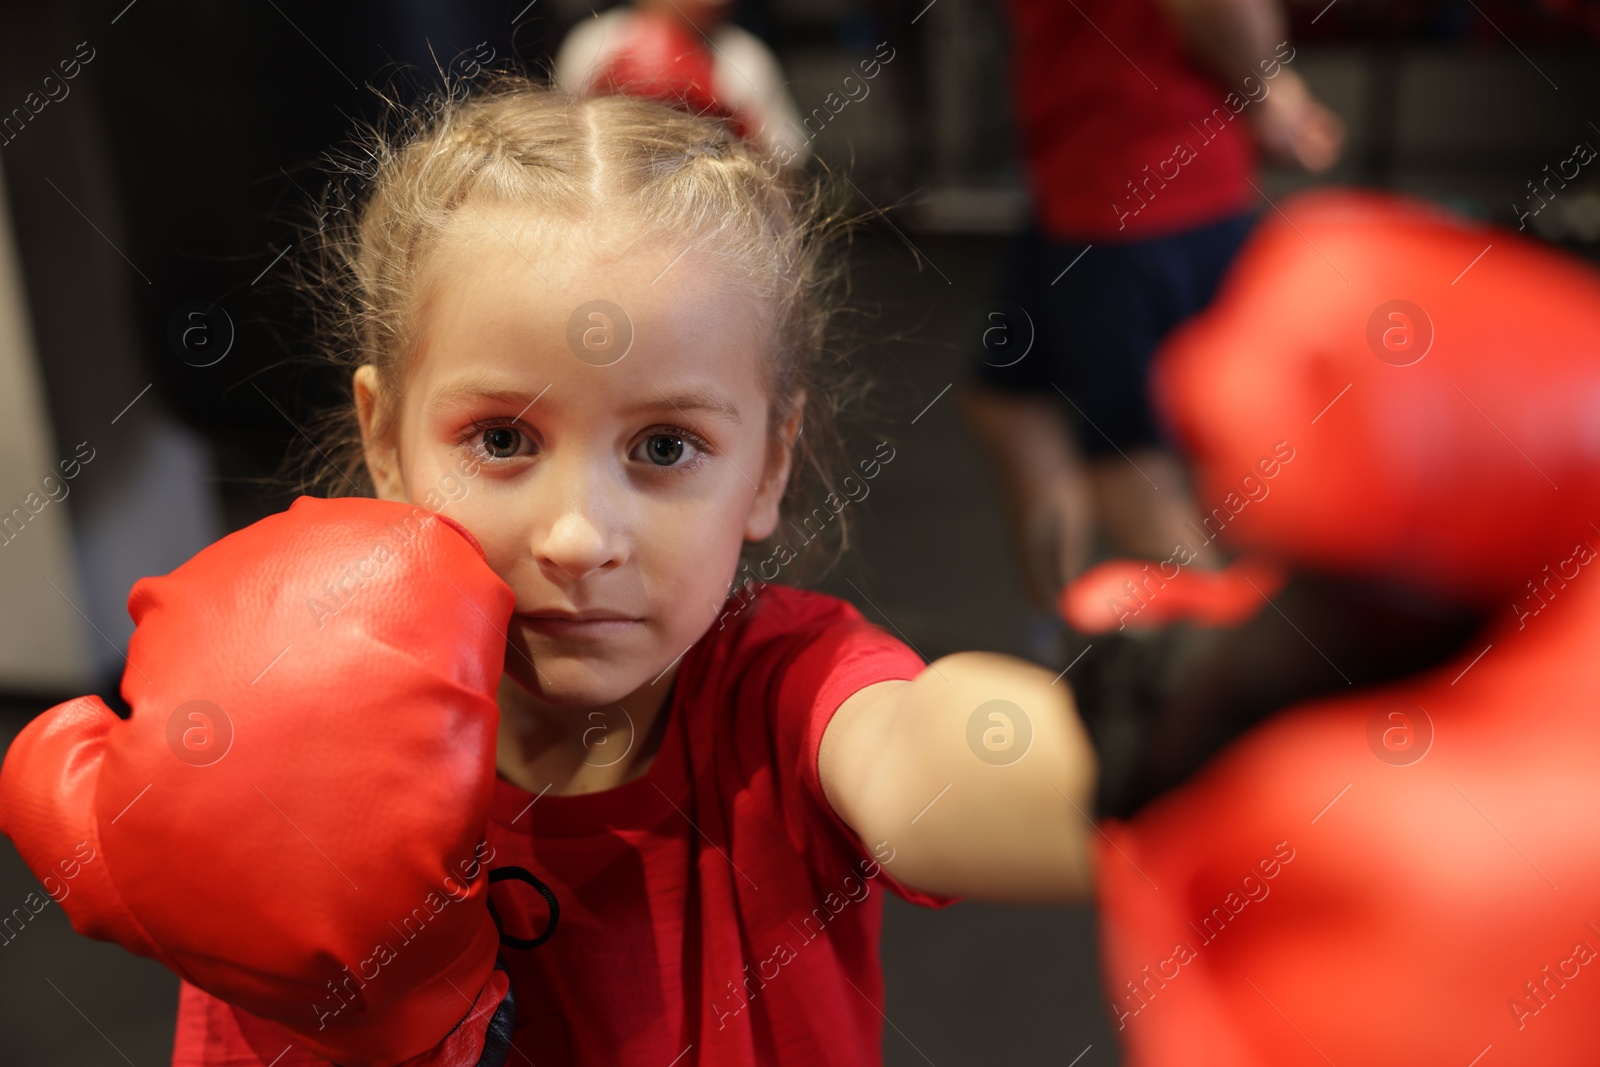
x=570, y=683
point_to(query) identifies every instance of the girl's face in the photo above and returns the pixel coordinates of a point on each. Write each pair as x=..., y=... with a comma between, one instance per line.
x=609, y=457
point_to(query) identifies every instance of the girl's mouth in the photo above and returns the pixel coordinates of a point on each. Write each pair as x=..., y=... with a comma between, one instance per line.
x=599, y=626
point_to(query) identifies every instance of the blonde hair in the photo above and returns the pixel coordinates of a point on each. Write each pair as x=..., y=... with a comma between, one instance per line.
x=515, y=141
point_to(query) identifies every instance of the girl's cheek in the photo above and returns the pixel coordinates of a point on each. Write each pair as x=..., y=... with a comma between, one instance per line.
x=496, y=545
x=501, y=562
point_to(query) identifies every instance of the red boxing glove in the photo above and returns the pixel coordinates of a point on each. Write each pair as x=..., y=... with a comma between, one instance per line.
x=293, y=817
x=1403, y=875
x=1415, y=391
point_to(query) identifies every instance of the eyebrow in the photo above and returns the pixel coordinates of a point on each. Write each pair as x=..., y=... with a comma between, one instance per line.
x=693, y=399
x=701, y=399
x=481, y=389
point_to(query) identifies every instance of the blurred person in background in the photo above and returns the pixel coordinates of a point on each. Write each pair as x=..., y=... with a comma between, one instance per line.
x=687, y=53
x=1141, y=177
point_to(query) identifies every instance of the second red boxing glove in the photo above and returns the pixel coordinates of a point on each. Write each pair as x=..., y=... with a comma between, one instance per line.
x=293, y=817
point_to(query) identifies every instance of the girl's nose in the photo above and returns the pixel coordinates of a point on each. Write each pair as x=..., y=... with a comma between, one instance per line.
x=584, y=536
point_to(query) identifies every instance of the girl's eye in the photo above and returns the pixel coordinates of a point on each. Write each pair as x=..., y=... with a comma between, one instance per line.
x=675, y=450
x=501, y=442
x=501, y=439
x=668, y=449
x=663, y=450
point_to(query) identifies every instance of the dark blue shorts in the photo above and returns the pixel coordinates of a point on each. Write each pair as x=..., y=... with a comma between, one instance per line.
x=1094, y=319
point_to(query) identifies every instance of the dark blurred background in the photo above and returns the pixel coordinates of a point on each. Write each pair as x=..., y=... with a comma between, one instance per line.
x=171, y=174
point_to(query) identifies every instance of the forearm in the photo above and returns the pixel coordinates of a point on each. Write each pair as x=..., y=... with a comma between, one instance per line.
x=995, y=806
x=1228, y=38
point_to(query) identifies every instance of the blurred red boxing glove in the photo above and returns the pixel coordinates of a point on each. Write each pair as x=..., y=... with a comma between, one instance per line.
x=293, y=817
x=664, y=61
x=1411, y=419
x=1302, y=900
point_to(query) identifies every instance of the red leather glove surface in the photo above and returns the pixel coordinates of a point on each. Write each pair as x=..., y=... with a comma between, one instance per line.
x=292, y=819
x=1434, y=384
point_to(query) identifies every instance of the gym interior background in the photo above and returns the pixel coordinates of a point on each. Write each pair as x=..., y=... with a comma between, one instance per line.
x=167, y=175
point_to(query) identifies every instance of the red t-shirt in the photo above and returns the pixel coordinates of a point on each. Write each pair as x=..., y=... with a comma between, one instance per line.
x=1103, y=89
x=714, y=910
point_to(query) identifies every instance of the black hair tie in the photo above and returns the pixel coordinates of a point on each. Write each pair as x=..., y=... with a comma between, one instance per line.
x=500, y=874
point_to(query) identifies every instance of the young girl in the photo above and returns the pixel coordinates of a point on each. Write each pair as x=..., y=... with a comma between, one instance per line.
x=592, y=333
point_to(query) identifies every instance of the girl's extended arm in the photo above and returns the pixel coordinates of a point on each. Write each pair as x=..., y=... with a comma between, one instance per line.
x=978, y=773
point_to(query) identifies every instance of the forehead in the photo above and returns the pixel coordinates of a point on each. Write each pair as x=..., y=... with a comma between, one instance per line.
x=506, y=290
